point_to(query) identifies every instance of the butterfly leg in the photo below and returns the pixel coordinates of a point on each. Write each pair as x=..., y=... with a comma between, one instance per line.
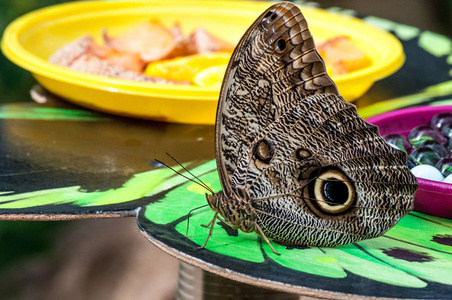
x=265, y=238
x=211, y=223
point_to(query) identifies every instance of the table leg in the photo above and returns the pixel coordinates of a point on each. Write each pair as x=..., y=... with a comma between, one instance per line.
x=197, y=284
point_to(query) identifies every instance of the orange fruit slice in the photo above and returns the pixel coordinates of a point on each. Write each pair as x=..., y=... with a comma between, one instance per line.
x=211, y=77
x=342, y=56
x=187, y=67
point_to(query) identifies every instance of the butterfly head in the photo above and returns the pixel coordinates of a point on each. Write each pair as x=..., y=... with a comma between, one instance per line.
x=235, y=209
x=214, y=200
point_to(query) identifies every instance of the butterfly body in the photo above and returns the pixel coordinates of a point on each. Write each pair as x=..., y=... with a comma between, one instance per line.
x=296, y=162
x=237, y=213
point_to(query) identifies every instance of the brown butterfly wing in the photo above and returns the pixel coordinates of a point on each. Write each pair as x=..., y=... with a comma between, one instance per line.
x=312, y=170
x=261, y=82
x=329, y=179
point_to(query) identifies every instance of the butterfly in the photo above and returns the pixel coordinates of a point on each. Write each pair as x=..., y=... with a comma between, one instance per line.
x=407, y=262
x=296, y=162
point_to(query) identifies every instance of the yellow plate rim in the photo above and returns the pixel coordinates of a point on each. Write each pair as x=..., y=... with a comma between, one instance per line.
x=13, y=50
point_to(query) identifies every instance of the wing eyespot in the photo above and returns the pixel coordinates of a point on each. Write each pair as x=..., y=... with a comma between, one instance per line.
x=331, y=192
x=264, y=151
x=280, y=45
x=301, y=154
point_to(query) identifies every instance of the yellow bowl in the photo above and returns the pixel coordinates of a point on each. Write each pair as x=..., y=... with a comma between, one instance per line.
x=31, y=39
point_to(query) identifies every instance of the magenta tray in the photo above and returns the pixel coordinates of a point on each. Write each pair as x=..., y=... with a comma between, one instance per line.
x=432, y=197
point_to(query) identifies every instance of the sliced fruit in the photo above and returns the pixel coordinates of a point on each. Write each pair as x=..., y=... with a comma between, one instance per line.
x=126, y=60
x=152, y=40
x=211, y=77
x=201, y=41
x=342, y=56
x=186, y=68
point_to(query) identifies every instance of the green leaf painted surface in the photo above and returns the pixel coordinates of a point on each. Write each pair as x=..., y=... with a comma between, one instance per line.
x=177, y=198
x=342, y=11
x=403, y=32
x=371, y=259
x=383, y=24
x=435, y=43
x=245, y=246
x=178, y=202
x=415, y=252
x=426, y=96
x=140, y=185
x=311, y=260
x=442, y=221
x=425, y=263
x=354, y=260
x=49, y=113
x=411, y=227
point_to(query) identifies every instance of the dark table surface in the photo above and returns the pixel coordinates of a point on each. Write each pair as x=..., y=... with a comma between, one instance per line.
x=55, y=145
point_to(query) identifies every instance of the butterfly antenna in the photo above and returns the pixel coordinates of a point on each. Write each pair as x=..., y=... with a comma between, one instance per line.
x=199, y=181
x=188, y=178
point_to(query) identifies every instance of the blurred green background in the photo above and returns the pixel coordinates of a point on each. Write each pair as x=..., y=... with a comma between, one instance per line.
x=12, y=78
x=20, y=240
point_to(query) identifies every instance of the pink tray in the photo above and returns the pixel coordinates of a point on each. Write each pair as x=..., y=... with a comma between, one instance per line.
x=432, y=197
